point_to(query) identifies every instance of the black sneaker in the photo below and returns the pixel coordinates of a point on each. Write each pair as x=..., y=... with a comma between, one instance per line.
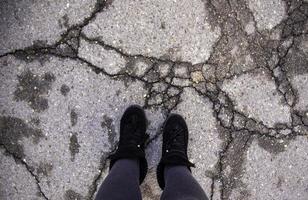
x=132, y=138
x=175, y=142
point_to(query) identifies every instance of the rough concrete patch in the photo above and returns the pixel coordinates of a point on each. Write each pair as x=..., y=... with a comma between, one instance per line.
x=152, y=74
x=107, y=59
x=181, y=70
x=164, y=69
x=225, y=115
x=33, y=89
x=163, y=95
x=12, y=130
x=153, y=29
x=250, y=28
x=138, y=66
x=239, y=121
x=156, y=94
x=197, y=76
x=181, y=82
x=257, y=97
x=267, y=13
x=209, y=72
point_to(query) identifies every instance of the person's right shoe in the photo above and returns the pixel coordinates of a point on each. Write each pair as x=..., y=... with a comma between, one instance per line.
x=174, y=148
x=132, y=139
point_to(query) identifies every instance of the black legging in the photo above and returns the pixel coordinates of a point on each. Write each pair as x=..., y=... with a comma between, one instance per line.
x=122, y=183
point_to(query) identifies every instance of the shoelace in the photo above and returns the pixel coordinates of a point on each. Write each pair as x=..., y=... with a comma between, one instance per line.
x=135, y=132
x=173, y=143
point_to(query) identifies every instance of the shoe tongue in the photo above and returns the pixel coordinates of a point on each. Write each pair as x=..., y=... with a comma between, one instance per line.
x=176, y=141
x=177, y=147
x=177, y=144
x=134, y=120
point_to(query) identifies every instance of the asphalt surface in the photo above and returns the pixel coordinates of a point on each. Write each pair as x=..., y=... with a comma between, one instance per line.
x=236, y=70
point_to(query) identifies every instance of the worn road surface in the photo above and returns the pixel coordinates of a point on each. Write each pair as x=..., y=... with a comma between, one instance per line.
x=237, y=70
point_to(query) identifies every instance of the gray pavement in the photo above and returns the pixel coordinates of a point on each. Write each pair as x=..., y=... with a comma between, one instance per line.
x=236, y=70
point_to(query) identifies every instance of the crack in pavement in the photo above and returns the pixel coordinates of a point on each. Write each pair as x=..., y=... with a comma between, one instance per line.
x=28, y=168
x=69, y=44
x=103, y=164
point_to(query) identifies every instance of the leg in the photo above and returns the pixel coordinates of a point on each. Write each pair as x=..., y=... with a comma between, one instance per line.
x=181, y=185
x=173, y=170
x=122, y=182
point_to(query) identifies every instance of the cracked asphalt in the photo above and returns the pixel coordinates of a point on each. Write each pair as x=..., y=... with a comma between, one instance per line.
x=237, y=70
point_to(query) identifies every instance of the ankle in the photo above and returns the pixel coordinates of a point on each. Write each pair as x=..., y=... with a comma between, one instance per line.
x=169, y=168
x=127, y=161
x=172, y=171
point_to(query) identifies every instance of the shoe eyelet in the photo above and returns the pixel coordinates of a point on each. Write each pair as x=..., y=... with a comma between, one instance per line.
x=167, y=150
x=138, y=145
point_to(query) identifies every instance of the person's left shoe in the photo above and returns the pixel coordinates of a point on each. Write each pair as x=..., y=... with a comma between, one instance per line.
x=132, y=139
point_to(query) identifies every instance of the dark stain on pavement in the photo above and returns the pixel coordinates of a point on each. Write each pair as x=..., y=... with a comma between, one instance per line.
x=44, y=169
x=12, y=130
x=273, y=145
x=4, y=63
x=280, y=181
x=72, y=195
x=29, y=54
x=108, y=124
x=74, y=146
x=33, y=89
x=64, y=21
x=103, y=4
x=64, y=90
x=163, y=25
x=74, y=117
x=35, y=121
x=118, y=92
